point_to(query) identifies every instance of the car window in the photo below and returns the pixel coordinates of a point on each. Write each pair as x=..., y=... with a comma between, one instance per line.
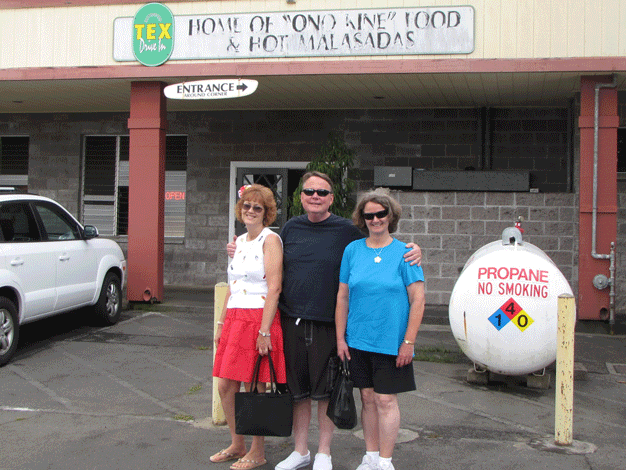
x=57, y=225
x=17, y=223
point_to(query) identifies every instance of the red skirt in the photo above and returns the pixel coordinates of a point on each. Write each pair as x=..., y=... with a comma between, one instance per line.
x=236, y=353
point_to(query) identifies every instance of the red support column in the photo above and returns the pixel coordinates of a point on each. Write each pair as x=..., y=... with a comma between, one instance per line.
x=146, y=191
x=593, y=304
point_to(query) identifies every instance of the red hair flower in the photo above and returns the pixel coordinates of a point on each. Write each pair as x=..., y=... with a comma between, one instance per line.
x=242, y=189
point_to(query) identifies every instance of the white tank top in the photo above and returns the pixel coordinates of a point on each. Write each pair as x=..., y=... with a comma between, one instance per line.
x=246, y=273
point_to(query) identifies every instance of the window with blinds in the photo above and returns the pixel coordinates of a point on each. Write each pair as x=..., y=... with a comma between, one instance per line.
x=105, y=184
x=14, y=162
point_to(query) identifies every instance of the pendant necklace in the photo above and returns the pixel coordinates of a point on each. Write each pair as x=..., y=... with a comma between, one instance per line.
x=378, y=259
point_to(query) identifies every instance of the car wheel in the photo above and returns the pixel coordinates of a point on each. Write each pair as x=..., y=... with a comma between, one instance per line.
x=109, y=305
x=9, y=330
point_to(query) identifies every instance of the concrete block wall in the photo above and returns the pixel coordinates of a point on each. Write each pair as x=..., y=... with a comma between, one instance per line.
x=451, y=226
x=448, y=226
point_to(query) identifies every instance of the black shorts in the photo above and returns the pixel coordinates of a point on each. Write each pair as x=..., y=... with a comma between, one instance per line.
x=379, y=371
x=308, y=347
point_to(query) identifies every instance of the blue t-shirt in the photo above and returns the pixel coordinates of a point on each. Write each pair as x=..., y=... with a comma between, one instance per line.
x=378, y=312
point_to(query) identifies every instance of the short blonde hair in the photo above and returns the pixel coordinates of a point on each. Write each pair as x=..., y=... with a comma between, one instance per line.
x=264, y=196
x=385, y=200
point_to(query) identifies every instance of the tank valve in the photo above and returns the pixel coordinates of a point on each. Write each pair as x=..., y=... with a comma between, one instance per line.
x=511, y=236
x=600, y=281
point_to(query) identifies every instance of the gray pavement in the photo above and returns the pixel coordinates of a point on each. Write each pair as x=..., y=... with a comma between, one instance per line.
x=138, y=396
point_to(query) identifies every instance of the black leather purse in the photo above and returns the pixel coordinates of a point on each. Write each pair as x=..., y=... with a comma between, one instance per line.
x=341, y=406
x=264, y=414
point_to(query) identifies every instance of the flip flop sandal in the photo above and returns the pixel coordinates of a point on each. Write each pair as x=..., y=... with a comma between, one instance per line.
x=247, y=464
x=223, y=456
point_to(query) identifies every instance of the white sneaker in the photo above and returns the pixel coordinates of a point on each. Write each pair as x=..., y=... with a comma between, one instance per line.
x=368, y=463
x=384, y=465
x=294, y=461
x=322, y=462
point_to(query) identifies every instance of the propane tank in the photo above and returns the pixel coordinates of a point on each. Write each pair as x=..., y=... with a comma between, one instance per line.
x=504, y=306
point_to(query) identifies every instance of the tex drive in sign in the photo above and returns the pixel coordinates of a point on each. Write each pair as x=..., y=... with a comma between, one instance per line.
x=153, y=34
x=359, y=32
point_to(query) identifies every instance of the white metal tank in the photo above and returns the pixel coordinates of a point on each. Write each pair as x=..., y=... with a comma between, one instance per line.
x=504, y=307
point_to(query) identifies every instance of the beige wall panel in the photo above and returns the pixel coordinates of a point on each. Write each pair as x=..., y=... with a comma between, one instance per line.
x=592, y=30
x=30, y=33
x=610, y=29
x=20, y=42
x=479, y=28
x=60, y=54
x=82, y=36
x=350, y=4
x=490, y=21
x=87, y=25
x=558, y=29
x=508, y=23
x=525, y=29
x=6, y=52
x=541, y=30
x=576, y=21
x=622, y=29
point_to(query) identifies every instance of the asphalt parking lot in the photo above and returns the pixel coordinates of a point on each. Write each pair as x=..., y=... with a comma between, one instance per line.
x=138, y=396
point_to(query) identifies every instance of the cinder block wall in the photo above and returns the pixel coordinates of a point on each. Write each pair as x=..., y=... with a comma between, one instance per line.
x=449, y=226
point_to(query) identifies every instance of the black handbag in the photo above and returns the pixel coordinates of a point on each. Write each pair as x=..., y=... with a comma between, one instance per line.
x=341, y=406
x=264, y=414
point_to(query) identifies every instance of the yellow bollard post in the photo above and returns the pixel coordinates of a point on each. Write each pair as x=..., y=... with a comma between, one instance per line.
x=564, y=401
x=219, y=418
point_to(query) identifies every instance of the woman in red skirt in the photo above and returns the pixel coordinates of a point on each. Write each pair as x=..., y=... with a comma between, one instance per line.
x=250, y=324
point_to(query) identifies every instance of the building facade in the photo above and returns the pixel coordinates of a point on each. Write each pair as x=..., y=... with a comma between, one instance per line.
x=500, y=110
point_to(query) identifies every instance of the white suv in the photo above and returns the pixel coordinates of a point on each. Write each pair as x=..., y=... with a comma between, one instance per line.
x=49, y=263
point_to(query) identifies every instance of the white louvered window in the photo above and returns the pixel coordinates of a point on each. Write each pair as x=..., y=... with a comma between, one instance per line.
x=105, y=184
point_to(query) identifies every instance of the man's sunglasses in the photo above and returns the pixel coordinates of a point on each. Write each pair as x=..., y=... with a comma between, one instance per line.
x=380, y=214
x=246, y=206
x=320, y=192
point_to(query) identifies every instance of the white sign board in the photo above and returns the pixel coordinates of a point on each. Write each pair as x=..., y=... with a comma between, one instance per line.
x=388, y=31
x=211, y=89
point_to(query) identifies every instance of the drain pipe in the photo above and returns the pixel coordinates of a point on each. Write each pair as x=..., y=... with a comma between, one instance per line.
x=594, y=220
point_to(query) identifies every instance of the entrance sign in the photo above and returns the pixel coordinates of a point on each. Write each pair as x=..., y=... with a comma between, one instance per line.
x=388, y=31
x=153, y=34
x=211, y=89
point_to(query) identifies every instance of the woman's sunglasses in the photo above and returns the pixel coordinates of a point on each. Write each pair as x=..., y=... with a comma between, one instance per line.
x=320, y=192
x=246, y=206
x=380, y=214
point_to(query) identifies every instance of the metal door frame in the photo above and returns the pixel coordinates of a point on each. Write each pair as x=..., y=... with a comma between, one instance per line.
x=232, y=195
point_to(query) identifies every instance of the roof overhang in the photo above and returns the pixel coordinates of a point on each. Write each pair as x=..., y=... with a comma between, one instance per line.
x=324, y=84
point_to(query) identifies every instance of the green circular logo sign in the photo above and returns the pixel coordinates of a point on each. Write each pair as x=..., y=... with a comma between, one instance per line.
x=153, y=34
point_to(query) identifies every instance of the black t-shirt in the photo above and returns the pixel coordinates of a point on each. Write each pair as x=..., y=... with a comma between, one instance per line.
x=312, y=254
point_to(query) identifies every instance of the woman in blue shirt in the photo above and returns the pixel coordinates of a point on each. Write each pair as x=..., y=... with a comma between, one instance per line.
x=379, y=310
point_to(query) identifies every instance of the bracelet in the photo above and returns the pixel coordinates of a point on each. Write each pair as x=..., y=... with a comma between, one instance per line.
x=406, y=341
x=265, y=335
x=220, y=322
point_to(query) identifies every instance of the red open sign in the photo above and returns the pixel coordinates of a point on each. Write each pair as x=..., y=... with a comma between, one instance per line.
x=175, y=195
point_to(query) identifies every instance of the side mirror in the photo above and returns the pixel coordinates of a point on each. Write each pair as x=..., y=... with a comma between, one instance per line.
x=89, y=232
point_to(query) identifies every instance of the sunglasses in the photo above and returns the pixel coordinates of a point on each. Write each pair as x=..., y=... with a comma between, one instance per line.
x=246, y=206
x=380, y=214
x=320, y=192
